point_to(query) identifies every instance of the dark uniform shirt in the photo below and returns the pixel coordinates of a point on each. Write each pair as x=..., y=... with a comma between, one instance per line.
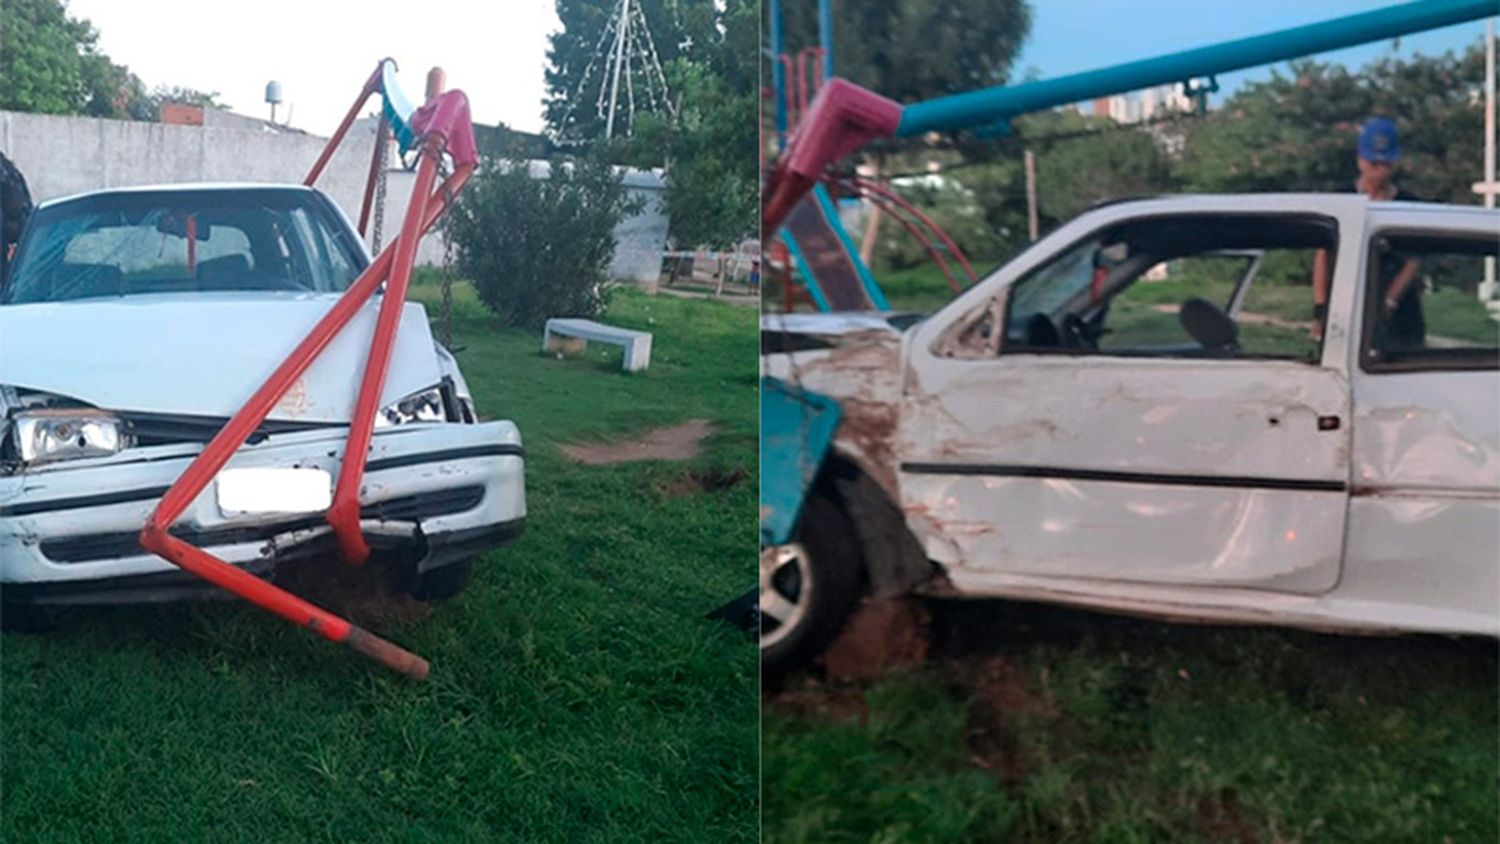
x=15, y=208
x=1405, y=326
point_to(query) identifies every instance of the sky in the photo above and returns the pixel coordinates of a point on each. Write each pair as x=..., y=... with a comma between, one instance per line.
x=495, y=50
x=1069, y=36
x=321, y=52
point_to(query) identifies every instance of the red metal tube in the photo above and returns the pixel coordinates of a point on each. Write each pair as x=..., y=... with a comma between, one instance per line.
x=371, y=86
x=154, y=536
x=816, y=54
x=791, y=81
x=344, y=514
x=881, y=190
x=915, y=231
x=802, y=81
x=192, y=245
x=239, y=428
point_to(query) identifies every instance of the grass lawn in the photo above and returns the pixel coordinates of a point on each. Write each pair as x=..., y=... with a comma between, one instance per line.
x=577, y=692
x=1034, y=724
x=922, y=288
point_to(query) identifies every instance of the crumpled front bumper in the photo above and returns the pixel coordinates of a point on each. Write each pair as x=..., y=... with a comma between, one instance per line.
x=68, y=532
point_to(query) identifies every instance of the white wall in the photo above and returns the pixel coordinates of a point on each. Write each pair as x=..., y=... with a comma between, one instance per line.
x=61, y=156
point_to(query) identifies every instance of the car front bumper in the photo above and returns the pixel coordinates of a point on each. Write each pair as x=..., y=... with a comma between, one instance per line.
x=69, y=531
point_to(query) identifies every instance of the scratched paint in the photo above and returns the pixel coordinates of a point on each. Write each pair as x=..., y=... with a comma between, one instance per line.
x=1224, y=494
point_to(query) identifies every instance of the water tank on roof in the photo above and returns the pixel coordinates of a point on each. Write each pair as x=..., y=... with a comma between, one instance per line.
x=273, y=92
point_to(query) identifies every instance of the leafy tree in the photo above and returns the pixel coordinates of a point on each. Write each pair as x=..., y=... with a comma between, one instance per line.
x=912, y=50
x=1076, y=174
x=1297, y=131
x=709, y=147
x=50, y=62
x=538, y=246
x=1080, y=162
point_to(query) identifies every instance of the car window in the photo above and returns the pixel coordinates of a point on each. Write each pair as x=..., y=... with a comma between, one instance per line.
x=1423, y=306
x=1211, y=285
x=134, y=243
x=1265, y=292
x=141, y=251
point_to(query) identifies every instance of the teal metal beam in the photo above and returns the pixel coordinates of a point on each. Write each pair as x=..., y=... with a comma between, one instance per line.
x=964, y=111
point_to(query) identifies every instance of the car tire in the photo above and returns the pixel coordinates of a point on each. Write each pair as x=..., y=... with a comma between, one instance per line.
x=443, y=582
x=816, y=580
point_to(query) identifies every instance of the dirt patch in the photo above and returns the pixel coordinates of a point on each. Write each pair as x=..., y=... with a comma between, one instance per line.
x=368, y=594
x=704, y=480
x=1222, y=817
x=1003, y=705
x=679, y=442
x=813, y=699
x=881, y=635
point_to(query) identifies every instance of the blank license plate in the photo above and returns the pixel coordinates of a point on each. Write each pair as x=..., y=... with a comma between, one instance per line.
x=274, y=491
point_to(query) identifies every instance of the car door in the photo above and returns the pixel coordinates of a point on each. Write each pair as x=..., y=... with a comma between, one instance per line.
x=1424, y=516
x=1119, y=464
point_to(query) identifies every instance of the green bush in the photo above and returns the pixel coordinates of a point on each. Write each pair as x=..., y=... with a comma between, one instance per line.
x=538, y=247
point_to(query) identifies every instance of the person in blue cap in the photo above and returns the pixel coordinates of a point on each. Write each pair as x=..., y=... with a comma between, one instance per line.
x=1401, y=297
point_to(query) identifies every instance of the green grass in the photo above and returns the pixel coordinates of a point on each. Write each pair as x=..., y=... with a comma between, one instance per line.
x=922, y=288
x=577, y=691
x=1069, y=727
x=1459, y=315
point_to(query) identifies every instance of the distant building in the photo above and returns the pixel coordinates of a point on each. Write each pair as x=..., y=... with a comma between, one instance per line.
x=1148, y=104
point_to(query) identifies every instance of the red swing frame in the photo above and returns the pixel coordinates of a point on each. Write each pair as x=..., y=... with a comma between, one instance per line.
x=443, y=125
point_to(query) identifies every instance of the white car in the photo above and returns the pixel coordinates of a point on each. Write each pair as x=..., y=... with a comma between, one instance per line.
x=134, y=323
x=1140, y=414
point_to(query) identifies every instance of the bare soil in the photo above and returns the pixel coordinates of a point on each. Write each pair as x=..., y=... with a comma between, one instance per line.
x=678, y=442
x=839, y=703
x=1004, y=706
x=705, y=480
x=367, y=594
x=881, y=635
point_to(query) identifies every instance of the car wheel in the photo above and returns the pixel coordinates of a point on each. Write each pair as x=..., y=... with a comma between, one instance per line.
x=808, y=587
x=443, y=582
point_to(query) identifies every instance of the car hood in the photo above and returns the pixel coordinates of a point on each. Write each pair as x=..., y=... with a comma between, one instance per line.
x=832, y=325
x=203, y=355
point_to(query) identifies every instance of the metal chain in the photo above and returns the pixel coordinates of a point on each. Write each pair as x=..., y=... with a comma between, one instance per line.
x=379, y=222
x=447, y=235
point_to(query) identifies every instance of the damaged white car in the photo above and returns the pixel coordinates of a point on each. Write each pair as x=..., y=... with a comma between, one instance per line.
x=1146, y=412
x=134, y=323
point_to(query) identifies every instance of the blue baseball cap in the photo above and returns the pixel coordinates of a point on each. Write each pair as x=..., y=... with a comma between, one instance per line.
x=1377, y=141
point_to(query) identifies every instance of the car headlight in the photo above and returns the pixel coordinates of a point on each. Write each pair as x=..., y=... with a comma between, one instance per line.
x=41, y=436
x=426, y=406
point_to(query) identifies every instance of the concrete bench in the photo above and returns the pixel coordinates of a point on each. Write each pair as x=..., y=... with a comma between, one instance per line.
x=571, y=335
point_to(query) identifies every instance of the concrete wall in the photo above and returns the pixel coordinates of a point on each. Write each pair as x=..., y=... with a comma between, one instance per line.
x=61, y=156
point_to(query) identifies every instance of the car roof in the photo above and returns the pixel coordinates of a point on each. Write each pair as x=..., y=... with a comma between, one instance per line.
x=180, y=187
x=1270, y=201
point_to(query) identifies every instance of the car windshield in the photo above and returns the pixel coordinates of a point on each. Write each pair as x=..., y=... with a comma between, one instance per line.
x=133, y=243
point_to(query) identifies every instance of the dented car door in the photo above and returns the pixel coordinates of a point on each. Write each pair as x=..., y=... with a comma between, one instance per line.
x=1182, y=471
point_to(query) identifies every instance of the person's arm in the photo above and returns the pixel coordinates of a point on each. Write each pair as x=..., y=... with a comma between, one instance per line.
x=1401, y=283
x=1320, y=292
x=1320, y=278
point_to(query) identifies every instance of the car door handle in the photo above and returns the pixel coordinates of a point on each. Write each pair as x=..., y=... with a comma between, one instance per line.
x=1328, y=423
